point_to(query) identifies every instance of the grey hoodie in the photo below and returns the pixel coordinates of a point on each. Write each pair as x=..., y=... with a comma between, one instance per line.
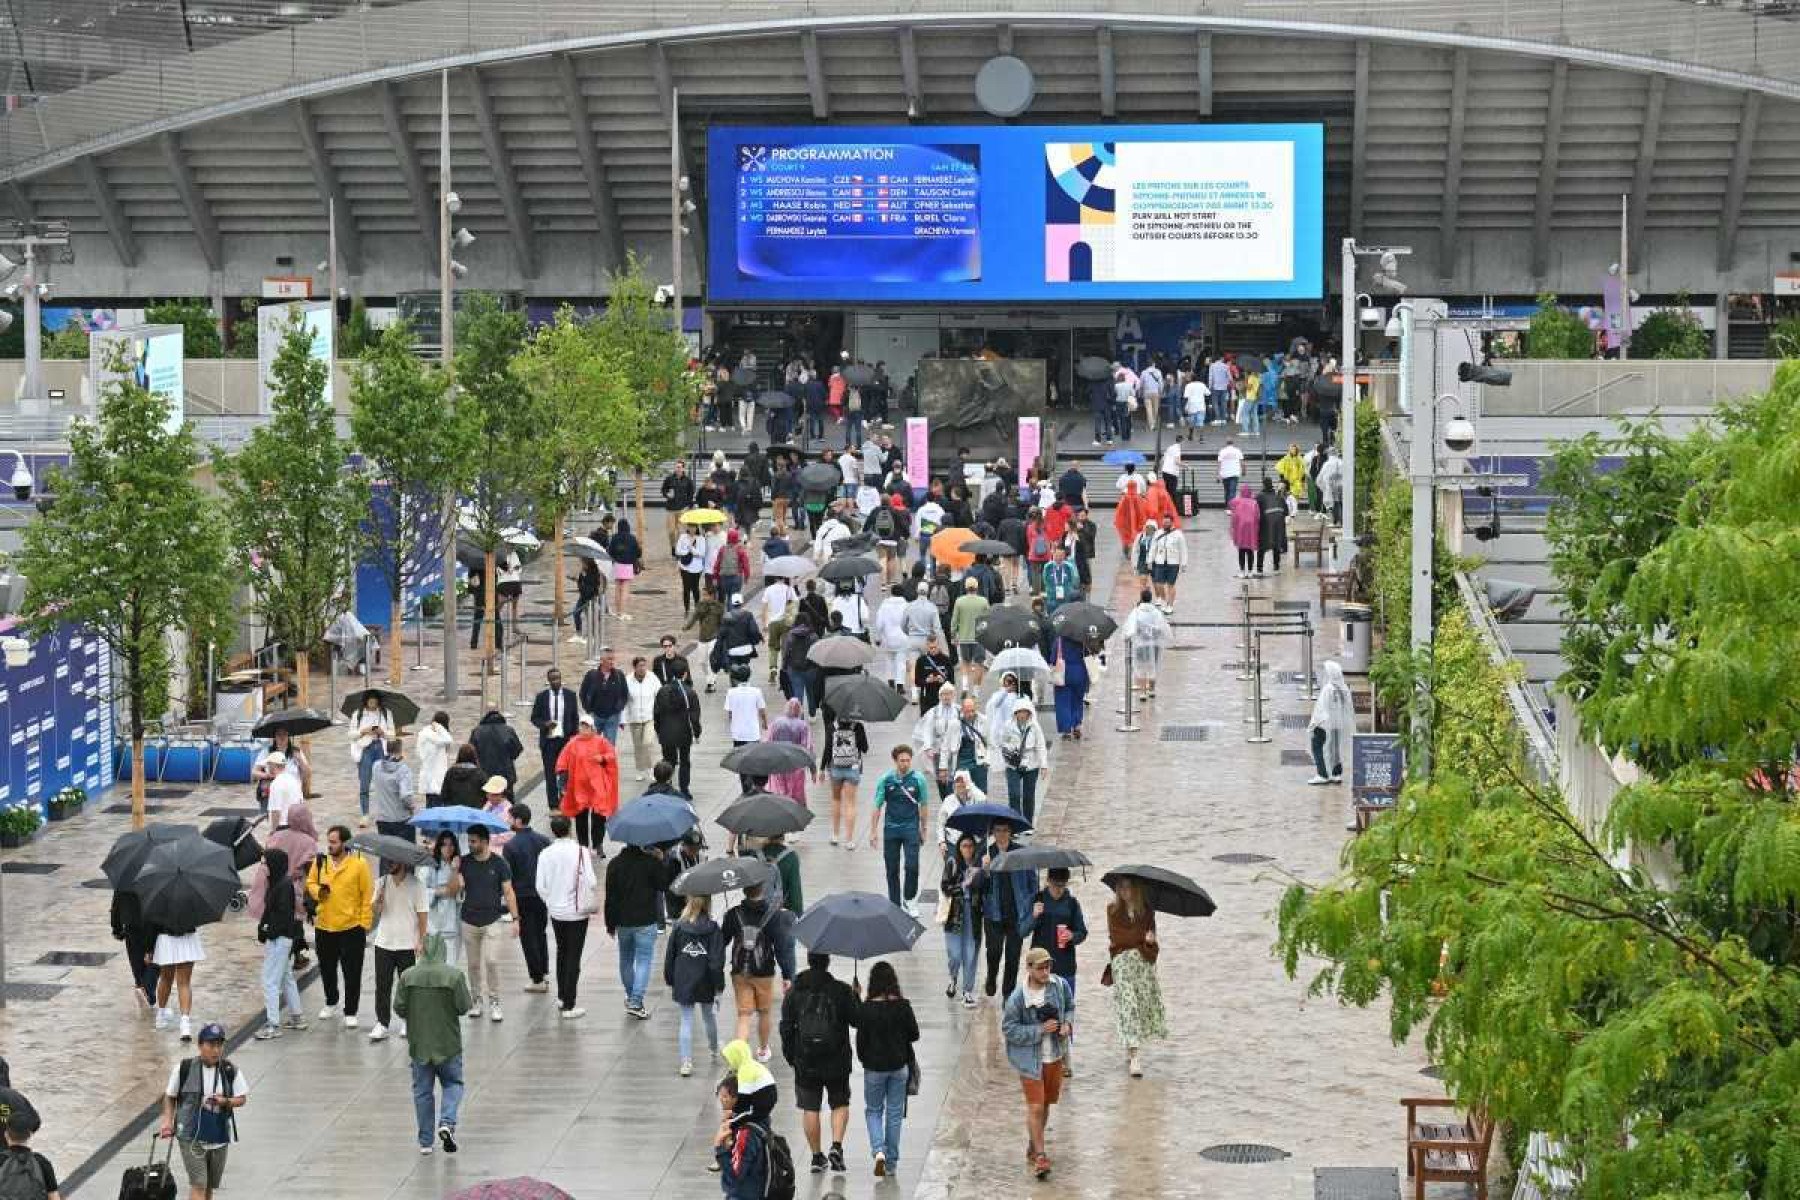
x=391, y=790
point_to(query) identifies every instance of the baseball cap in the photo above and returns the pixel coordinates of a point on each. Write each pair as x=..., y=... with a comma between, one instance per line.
x=275, y=758
x=1036, y=956
x=495, y=785
x=212, y=1031
x=584, y=719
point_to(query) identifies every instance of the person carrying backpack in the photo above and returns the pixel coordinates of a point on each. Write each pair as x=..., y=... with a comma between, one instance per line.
x=24, y=1173
x=758, y=944
x=816, y=1018
x=199, y=1108
x=753, y=1161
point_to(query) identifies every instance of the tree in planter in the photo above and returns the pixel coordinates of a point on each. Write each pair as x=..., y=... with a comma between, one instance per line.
x=199, y=325
x=131, y=549
x=578, y=395
x=1555, y=332
x=1672, y=333
x=413, y=440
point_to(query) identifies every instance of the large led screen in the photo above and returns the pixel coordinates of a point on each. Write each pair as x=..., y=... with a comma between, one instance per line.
x=1013, y=213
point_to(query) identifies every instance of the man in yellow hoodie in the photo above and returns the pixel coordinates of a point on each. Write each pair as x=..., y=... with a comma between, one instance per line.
x=340, y=885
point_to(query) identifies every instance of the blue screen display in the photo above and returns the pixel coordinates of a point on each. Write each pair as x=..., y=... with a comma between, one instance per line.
x=1015, y=213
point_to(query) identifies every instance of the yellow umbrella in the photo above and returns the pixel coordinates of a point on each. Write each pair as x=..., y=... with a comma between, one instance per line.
x=946, y=547
x=702, y=516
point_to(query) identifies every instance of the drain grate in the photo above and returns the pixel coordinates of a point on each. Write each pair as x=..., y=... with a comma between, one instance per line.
x=1240, y=859
x=100, y=884
x=1239, y=1153
x=125, y=809
x=1356, y=1183
x=1296, y=758
x=1294, y=720
x=74, y=958
x=1234, y=666
x=1184, y=733
x=1293, y=605
x=249, y=814
x=1181, y=649
x=166, y=793
x=29, y=868
x=32, y=991
x=650, y=591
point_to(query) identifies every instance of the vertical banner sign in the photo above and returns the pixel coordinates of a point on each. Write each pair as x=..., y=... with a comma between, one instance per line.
x=1031, y=435
x=56, y=717
x=272, y=322
x=1618, y=312
x=152, y=358
x=918, y=451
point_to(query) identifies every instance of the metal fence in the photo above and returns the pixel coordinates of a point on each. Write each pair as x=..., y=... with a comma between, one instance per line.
x=1608, y=388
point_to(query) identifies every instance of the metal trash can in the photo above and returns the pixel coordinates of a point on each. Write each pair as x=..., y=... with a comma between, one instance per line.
x=1359, y=626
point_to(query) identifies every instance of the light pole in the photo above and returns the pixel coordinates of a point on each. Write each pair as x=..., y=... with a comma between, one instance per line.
x=448, y=204
x=1387, y=280
x=28, y=237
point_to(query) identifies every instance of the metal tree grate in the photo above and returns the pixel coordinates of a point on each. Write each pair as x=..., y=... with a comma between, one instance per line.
x=1181, y=649
x=1244, y=1152
x=1241, y=859
x=1296, y=758
x=166, y=793
x=1356, y=1183
x=1294, y=720
x=32, y=991
x=249, y=814
x=29, y=868
x=1432, y=1072
x=1293, y=605
x=74, y=958
x=125, y=809
x=1184, y=733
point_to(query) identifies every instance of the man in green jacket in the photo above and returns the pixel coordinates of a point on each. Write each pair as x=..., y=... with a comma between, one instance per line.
x=431, y=998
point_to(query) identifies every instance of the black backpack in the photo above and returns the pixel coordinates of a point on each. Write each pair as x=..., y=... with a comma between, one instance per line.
x=818, y=1035
x=754, y=953
x=780, y=1182
x=20, y=1178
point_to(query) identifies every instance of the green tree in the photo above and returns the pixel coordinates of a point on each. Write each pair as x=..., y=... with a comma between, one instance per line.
x=415, y=442
x=356, y=336
x=1555, y=332
x=295, y=512
x=1672, y=333
x=1784, y=338
x=132, y=549
x=579, y=396
x=245, y=334
x=634, y=333
x=199, y=326
x=71, y=341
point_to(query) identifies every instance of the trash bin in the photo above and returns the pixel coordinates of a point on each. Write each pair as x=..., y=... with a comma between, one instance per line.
x=1359, y=625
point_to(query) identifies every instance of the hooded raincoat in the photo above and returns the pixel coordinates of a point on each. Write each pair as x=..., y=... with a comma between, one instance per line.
x=1246, y=519
x=592, y=767
x=1334, y=712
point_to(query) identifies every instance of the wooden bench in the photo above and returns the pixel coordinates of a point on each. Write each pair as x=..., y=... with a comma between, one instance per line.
x=1309, y=539
x=1333, y=585
x=1446, y=1151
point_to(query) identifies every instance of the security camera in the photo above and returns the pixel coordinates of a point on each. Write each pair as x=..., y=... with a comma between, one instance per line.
x=1370, y=317
x=453, y=202
x=457, y=269
x=463, y=238
x=1459, y=435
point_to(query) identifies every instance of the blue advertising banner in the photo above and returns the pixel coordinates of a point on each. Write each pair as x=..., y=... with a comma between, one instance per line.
x=426, y=568
x=1144, y=213
x=56, y=714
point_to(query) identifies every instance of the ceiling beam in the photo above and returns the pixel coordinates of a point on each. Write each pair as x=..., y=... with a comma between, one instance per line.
x=1203, y=52
x=1109, y=73
x=1548, y=167
x=815, y=76
x=1453, y=164
x=330, y=190
x=512, y=202
x=664, y=80
x=1645, y=172
x=193, y=201
x=118, y=228
x=593, y=170
x=909, y=74
x=1359, y=140
x=424, y=203
x=1738, y=180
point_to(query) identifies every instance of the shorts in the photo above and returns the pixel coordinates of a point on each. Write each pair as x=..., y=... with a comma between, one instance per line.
x=1163, y=572
x=753, y=992
x=205, y=1166
x=807, y=1093
x=972, y=653
x=846, y=774
x=624, y=572
x=1046, y=1090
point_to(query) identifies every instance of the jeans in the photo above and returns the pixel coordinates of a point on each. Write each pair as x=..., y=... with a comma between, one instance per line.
x=278, y=979
x=853, y=429
x=685, y=1039
x=1021, y=791
x=534, y=918
x=884, y=1105
x=1122, y=421
x=481, y=943
x=1221, y=404
x=1321, y=740
x=892, y=845
x=815, y=423
x=449, y=1073
x=637, y=950
x=341, y=951
x=372, y=753
x=549, y=749
x=1229, y=485
x=962, y=949
x=571, y=938
x=609, y=727
x=1103, y=424
x=1003, y=942
x=797, y=685
x=388, y=965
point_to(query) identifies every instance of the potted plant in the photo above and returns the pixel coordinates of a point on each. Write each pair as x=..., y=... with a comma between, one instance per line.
x=67, y=803
x=17, y=823
x=431, y=605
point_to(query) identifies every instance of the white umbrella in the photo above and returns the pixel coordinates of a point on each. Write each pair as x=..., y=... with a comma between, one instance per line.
x=524, y=539
x=1017, y=659
x=586, y=547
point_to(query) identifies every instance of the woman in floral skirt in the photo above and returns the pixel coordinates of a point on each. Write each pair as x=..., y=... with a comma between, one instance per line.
x=1131, y=971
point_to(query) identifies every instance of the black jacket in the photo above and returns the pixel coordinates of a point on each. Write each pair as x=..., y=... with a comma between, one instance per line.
x=604, y=697
x=739, y=629
x=676, y=714
x=633, y=881
x=694, y=968
x=836, y=1060
x=885, y=1033
x=278, y=919
x=496, y=746
x=664, y=668
x=462, y=785
x=540, y=715
x=677, y=491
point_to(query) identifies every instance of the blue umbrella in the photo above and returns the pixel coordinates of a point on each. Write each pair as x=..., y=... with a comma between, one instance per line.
x=1123, y=458
x=979, y=818
x=457, y=818
x=857, y=925
x=651, y=820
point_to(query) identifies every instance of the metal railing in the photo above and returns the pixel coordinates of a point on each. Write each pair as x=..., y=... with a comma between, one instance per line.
x=1602, y=388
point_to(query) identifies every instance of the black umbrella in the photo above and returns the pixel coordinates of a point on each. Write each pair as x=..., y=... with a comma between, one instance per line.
x=849, y=570
x=186, y=883
x=17, y=1114
x=733, y=873
x=775, y=400
x=401, y=707
x=1164, y=890
x=126, y=858
x=766, y=758
x=1094, y=367
x=841, y=652
x=863, y=698
x=470, y=555
x=297, y=721
x=991, y=547
x=1039, y=858
x=764, y=814
x=857, y=925
x=1083, y=622
x=1008, y=625
x=743, y=376
x=821, y=477
x=233, y=833
x=857, y=375
x=392, y=849
x=855, y=543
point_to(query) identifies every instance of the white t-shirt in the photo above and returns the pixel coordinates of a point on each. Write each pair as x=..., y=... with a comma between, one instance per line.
x=1193, y=396
x=744, y=705
x=775, y=600
x=284, y=793
x=396, y=912
x=1231, y=462
x=1047, y=1051
x=209, y=1085
x=851, y=467
x=1171, y=459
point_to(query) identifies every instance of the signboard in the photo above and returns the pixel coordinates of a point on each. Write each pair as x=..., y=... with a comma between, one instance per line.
x=56, y=717
x=1016, y=213
x=1377, y=768
x=287, y=287
x=1031, y=435
x=152, y=358
x=1786, y=285
x=272, y=322
x=918, y=451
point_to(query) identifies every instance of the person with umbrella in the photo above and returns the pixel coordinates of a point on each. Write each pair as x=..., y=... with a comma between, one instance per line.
x=900, y=810
x=817, y=1015
x=694, y=972
x=1069, y=674
x=1131, y=970
x=401, y=906
x=691, y=554
x=178, y=946
x=792, y=727
x=1132, y=509
x=1005, y=911
x=635, y=881
x=370, y=730
x=589, y=770
x=1036, y=1023
x=338, y=883
x=962, y=885
x=129, y=927
x=845, y=744
x=442, y=876
x=757, y=935
x=932, y=672
x=277, y=929
x=1147, y=632
x=292, y=762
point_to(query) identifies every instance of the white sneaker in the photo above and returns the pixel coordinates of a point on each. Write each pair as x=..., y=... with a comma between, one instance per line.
x=687, y=1067
x=494, y=1013
x=351, y=1022
x=474, y=1010
x=426, y=1150
x=379, y=1033
x=574, y=641
x=1135, y=1065
x=1317, y=781
x=328, y=1012
x=911, y=907
x=163, y=1019
x=764, y=1055
x=540, y=986
x=187, y=1029
x=640, y=777
x=568, y=1014
x=834, y=839
x=400, y=1029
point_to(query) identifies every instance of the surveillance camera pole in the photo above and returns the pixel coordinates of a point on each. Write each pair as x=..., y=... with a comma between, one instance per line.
x=1347, y=358
x=447, y=350
x=27, y=237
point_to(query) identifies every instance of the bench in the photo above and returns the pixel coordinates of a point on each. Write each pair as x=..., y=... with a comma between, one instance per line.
x=1309, y=539
x=1333, y=585
x=1449, y=1151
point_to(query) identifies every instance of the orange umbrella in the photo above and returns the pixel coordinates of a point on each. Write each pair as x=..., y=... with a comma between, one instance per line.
x=946, y=547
